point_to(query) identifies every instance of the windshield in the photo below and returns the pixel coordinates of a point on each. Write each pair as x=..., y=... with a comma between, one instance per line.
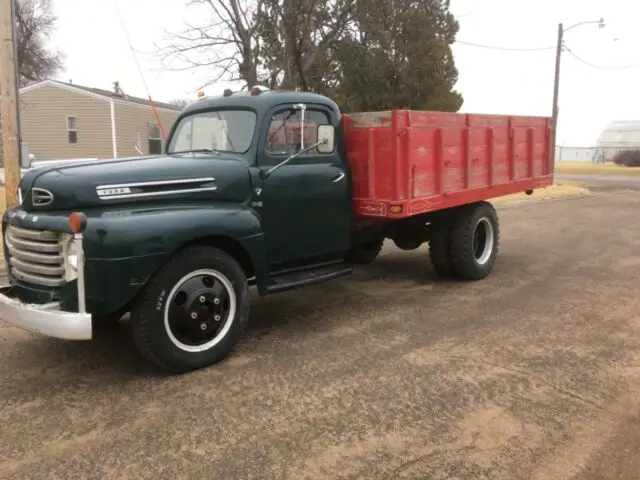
x=218, y=130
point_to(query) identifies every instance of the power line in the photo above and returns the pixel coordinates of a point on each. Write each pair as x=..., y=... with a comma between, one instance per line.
x=540, y=49
x=510, y=49
x=599, y=67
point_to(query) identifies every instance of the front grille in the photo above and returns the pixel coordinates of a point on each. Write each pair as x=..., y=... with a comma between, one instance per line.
x=35, y=256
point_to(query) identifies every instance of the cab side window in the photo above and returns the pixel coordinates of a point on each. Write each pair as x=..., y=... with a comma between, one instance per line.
x=287, y=135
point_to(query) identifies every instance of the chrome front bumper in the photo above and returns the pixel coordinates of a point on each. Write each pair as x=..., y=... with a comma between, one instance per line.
x=46, y=319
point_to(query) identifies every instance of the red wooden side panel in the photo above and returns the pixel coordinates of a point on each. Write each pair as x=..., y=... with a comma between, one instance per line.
x=406, y=162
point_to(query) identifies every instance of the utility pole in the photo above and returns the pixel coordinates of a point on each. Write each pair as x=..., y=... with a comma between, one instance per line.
x=9, y=102
x=556, y=83
x=556, y=89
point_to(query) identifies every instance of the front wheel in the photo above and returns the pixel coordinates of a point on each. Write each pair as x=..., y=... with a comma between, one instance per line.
x=193, y=311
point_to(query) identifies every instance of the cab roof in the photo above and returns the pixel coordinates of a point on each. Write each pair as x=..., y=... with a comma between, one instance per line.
x=261, y=102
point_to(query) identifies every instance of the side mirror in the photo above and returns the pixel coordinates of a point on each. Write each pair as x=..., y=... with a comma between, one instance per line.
x=326, y=138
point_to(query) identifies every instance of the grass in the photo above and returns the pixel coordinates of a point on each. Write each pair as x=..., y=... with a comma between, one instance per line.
x=584, y=168
x=557, y=190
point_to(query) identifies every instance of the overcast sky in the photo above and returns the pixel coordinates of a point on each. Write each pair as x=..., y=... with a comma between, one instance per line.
x=491, y=81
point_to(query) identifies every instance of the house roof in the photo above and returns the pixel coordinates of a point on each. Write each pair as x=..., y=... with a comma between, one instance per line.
x=106, y=94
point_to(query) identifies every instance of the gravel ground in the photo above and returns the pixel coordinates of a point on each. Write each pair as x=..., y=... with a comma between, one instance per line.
x=531, y=374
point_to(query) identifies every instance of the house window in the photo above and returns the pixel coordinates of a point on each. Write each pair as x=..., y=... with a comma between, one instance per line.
x=72, y=131
x=155, y=140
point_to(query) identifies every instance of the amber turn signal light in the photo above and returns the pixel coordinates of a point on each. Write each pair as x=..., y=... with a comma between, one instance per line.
x=77, y=222
x=395, y=209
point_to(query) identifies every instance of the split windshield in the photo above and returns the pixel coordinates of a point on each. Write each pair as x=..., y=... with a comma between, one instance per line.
x=217, y=130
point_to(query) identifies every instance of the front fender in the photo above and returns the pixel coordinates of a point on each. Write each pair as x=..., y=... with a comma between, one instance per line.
x=141, y=240
x=125, y=247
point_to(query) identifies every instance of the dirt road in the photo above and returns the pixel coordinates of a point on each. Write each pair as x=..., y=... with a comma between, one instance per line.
x=391, y=374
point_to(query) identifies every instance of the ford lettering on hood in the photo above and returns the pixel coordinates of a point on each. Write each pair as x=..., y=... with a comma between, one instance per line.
x=105, y=182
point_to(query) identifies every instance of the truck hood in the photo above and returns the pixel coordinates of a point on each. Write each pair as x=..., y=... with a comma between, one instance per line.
x=76, y=185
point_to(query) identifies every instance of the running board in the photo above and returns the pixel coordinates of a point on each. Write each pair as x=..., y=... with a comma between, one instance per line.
x=302, y=278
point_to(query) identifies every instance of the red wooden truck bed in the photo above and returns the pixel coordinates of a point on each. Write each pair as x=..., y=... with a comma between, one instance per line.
x=406, y=162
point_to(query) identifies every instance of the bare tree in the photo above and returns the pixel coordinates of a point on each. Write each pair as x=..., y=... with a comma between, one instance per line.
x=227, y=45
x=35, y=22
x=299, y=36
x=272, y=42
x=366, y=54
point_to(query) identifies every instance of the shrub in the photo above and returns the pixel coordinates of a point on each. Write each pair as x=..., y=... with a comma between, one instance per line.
x=628, y=158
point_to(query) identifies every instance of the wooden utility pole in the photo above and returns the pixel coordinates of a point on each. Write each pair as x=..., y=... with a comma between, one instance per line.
x=556, y=84
x=556, y=89
x=9, y=102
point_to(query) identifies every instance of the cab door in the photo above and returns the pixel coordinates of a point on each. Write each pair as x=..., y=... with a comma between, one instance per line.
x=306, y=203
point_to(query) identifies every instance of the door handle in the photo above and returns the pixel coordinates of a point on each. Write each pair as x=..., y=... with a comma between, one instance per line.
x=340, y=176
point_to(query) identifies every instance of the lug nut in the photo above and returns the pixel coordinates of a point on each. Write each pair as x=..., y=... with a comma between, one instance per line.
x=216, y=318
x=201, y=299
x=203, y=326
x=194, y=315
x=216, y=301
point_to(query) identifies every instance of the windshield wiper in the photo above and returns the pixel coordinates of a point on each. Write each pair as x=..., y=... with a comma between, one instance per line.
x=196, y=150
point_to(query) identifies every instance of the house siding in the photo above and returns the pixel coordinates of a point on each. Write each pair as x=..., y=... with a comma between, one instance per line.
x=132, y=123
x=43, y=119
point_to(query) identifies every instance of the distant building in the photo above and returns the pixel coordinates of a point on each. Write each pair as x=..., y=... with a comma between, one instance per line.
x=617, y=136
x=66, y=121
x=576, y=154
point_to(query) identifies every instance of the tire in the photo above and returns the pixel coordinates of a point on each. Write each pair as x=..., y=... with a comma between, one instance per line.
x=201, y=281
x=365, y=253
x=475, y=239
x=439, y=250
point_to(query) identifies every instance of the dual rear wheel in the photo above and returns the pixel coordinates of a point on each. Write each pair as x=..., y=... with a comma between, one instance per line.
x=465, y=246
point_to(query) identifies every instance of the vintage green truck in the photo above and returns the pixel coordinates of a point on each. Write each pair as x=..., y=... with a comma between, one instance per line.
x=271, y=189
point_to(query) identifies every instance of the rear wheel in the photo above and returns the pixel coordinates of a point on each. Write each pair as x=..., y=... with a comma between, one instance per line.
x=475, y=237
x=365, y=252
x=439, y=250
x=193, y=311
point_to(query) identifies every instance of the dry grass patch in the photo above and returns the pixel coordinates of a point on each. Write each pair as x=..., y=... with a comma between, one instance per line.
x=557, y=190
x=583, y=168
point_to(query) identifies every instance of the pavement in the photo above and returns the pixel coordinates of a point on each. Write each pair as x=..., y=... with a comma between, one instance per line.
x=532, y=374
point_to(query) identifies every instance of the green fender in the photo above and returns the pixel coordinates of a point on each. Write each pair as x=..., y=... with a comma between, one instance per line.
x=125, y=247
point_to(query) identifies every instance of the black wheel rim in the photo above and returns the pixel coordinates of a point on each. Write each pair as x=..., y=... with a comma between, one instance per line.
x=199, y=310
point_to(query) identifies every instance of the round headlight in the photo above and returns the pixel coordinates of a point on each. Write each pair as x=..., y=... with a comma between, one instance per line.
x=72, y=254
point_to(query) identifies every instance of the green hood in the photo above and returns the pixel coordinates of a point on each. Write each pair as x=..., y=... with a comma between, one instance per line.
x=75, y=185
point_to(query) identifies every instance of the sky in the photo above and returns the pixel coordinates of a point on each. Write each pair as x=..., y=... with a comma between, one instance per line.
x=597, y=87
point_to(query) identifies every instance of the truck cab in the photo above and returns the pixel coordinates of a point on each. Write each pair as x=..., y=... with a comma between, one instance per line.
x=298, y=176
